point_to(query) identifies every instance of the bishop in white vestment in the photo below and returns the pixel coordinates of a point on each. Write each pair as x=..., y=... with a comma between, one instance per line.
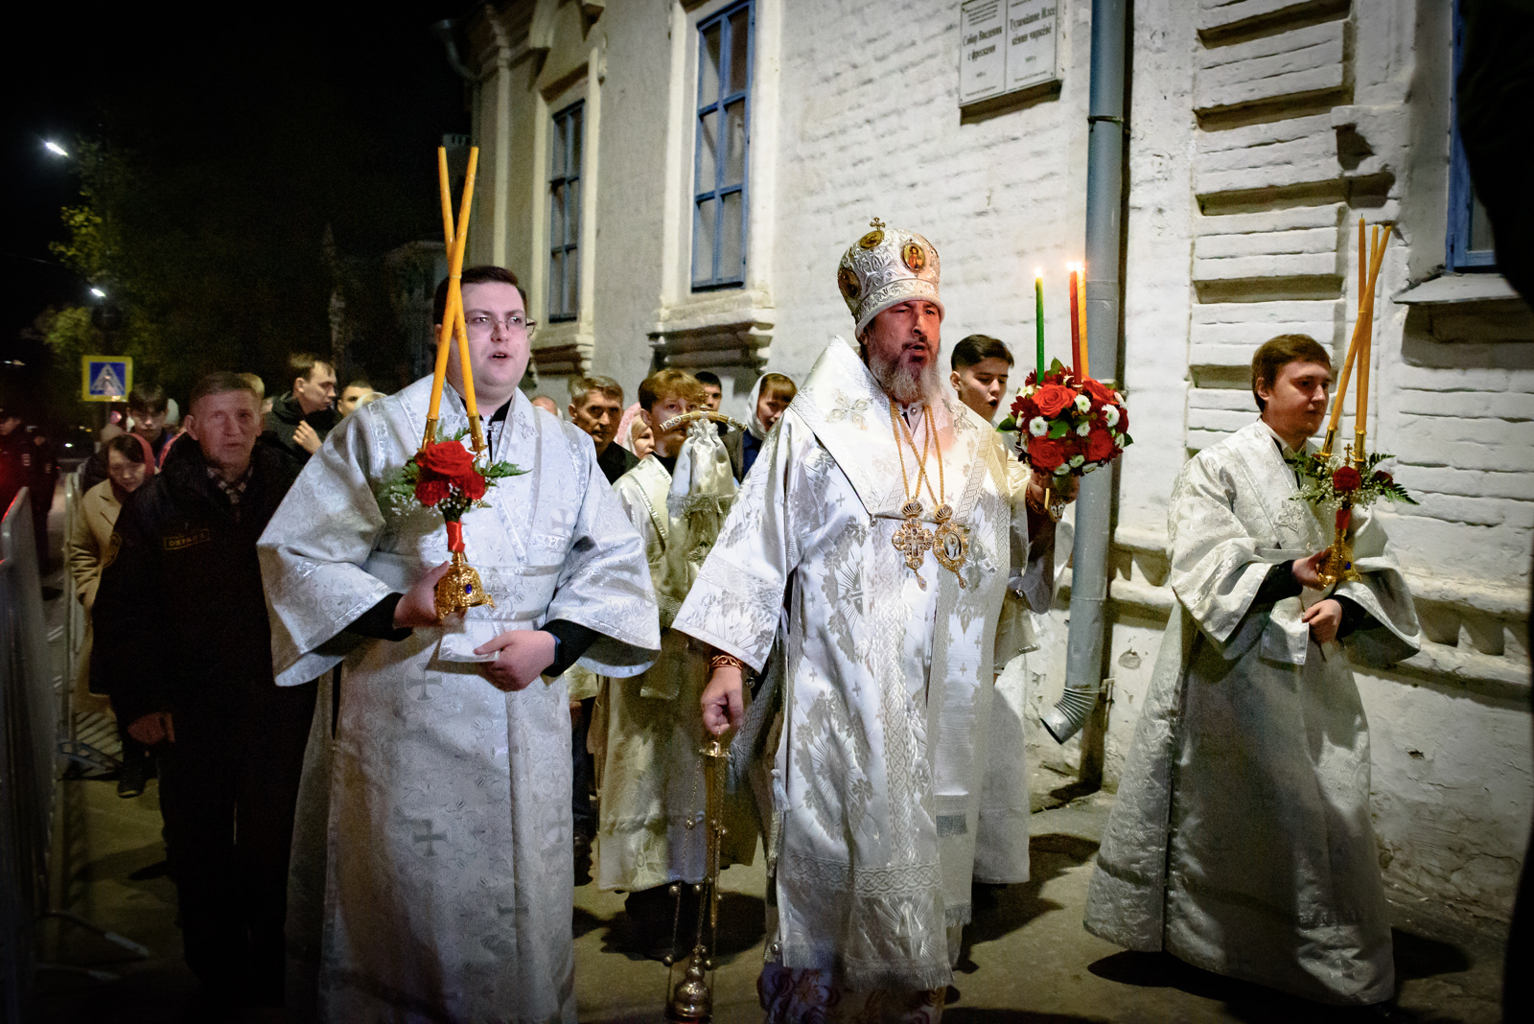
x=887, y=680
x=1241, y=840
x=446, y=845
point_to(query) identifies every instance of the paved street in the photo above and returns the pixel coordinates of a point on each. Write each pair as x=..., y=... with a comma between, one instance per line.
x=1026, y=959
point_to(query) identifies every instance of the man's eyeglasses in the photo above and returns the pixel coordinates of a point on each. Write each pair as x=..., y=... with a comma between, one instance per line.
x=484, y=323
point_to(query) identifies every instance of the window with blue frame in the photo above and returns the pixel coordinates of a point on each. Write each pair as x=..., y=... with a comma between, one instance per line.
x=565, y=213
x=1470, y=245
x=723, y=134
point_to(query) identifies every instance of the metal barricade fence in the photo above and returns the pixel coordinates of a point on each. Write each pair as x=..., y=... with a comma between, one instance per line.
x=29, y=716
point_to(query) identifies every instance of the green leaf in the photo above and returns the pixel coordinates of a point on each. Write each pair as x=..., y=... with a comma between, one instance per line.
x=1059, y=429
x=1007, y=425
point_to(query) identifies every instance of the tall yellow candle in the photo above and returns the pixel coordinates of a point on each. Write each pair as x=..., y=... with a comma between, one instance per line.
x=439, y=373
x=1363, y=269
x=455, y=290
x=1081, y=309
x=1361, y=422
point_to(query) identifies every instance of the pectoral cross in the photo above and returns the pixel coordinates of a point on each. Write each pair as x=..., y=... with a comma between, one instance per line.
x=913, y=541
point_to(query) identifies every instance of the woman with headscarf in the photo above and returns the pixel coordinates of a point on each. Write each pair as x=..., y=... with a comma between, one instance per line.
x=769, y=397
x=130, y=462
x=634, y=433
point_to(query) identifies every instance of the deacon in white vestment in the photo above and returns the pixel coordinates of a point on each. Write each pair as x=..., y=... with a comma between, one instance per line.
x=447, y=872
x=887, y=667
x=1241, y=840
x=651, y=726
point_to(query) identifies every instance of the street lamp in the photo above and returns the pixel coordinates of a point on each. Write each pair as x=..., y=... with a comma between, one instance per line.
x=55, y=148
x=98, y=293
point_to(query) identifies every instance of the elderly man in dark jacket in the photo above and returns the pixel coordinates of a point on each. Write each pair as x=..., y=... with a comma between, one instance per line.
x=182, y=634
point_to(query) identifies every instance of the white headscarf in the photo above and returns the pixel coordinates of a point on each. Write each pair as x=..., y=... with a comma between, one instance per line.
x=754, y=422
x=626, y=427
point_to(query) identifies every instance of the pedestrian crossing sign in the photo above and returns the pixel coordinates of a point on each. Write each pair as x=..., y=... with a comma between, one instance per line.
x=105, y=378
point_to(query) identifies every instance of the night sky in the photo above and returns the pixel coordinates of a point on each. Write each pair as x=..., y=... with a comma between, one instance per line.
x=312, y=114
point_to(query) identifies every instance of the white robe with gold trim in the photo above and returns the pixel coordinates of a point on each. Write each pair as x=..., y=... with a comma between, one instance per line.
x=1241, y=839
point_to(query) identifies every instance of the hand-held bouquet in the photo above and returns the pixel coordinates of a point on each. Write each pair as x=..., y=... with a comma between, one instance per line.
x=443, y=475
x=1342, y=483
x=1068, y=425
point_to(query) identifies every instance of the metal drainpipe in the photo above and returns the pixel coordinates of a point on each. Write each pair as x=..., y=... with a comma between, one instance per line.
x=1094, y=507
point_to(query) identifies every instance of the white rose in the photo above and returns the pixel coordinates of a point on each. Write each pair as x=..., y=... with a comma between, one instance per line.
x=1084, y=430
x=1083, y=403
x=1111, y=415
x=1118, y=396
x=1038, y=426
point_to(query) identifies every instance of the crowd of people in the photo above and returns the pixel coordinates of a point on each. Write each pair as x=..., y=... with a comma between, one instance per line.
x=832, y=585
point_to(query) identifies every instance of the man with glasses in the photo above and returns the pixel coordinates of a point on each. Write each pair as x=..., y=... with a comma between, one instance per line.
x=441, y=884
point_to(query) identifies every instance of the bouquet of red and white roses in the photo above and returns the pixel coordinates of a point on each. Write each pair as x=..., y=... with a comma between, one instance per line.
x=1068, y=426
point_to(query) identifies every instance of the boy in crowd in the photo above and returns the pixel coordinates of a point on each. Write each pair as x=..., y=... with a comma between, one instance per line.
x=981, y=365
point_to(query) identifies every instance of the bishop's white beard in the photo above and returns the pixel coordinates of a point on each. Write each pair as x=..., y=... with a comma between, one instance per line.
x=904, y=385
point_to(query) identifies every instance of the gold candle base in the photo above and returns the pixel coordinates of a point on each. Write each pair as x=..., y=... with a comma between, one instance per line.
x=460, y=589
x=1337, y=566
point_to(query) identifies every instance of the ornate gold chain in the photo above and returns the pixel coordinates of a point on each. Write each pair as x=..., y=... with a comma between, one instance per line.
x=950, y=543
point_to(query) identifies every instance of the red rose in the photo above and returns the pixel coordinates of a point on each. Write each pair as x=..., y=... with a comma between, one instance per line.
x=1046, y=454
x=1346, y=479
x=1099, y=392
x=1383, y=477
x=1099, y=446
x=471, y=484
x=1053, y=399
x=446, y=458
x=430, y=489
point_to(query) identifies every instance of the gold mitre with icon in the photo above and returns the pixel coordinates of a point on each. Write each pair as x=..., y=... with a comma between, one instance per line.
x=885, y=267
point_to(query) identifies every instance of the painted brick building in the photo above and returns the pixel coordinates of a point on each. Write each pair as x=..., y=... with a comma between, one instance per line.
x=676, y=179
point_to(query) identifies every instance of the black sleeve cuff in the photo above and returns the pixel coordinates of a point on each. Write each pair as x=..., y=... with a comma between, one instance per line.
x=1278, y=584
x=1353, y=616
x=571, y=640
x=377, y=623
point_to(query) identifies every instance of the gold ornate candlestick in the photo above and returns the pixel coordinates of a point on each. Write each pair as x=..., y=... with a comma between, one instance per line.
x=691, y=1001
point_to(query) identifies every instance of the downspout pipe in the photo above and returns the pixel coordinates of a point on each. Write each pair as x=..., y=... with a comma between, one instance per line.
x=1094, y=506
